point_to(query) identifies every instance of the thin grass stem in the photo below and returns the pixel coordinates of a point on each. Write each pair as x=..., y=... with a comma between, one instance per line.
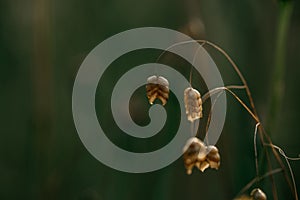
x=255, y=149
x=289, y=166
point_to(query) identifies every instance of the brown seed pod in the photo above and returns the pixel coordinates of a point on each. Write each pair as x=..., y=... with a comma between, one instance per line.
x=258, y=194
x=196, y=153
x=213, y=157
x=192, y=153
x=157, y=87
x=193, y=104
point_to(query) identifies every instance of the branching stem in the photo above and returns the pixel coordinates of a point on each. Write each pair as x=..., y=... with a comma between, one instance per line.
x=262, y=133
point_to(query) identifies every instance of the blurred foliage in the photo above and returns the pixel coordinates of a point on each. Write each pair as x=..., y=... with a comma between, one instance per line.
x=43, y=43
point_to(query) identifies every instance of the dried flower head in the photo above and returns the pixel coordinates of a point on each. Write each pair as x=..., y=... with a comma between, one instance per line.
x=193, y=104
x=213, y=157
x=157, y=87
x=196, y=153
x=258, y=194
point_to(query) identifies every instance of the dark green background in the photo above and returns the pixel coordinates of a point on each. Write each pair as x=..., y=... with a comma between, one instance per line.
x=43, y=43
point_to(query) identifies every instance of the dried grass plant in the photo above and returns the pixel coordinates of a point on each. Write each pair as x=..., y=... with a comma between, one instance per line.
x=260, y=131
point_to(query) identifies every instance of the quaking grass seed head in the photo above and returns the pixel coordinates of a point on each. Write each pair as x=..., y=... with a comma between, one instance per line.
x=157, y=88
x=193, y=104
x=196, y=153
x=194, y=150
x=213, y=157
x=258, y=194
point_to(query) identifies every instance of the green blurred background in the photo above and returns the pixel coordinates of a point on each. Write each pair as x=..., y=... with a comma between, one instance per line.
x=43, y=43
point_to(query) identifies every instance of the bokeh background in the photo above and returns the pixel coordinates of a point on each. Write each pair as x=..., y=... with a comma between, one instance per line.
x=43, y=43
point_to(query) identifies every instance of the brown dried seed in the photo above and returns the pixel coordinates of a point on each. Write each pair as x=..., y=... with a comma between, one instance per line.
x=162, y=99
x=214, y=157
x=196, y=153
x=157, y=88
x=192, y=149
x=189, y=171
x=212, y=149
x=203, y=166
x=191, y=153
x=213, y=164
x=258, y=194
x=193, y=104
x=213, y=154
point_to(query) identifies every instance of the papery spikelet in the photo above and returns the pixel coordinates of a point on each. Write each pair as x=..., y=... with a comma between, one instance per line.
x=258, y=194
x=196, y=153
x=157, y=87
x=192, y=153
x=193, y=104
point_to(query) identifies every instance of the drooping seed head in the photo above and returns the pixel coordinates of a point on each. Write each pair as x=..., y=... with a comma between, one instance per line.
x=157, y=88
x=258, y=194
x=196, y=153
x=193, y=104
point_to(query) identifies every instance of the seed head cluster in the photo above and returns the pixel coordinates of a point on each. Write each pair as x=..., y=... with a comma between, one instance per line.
x=196, y=153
